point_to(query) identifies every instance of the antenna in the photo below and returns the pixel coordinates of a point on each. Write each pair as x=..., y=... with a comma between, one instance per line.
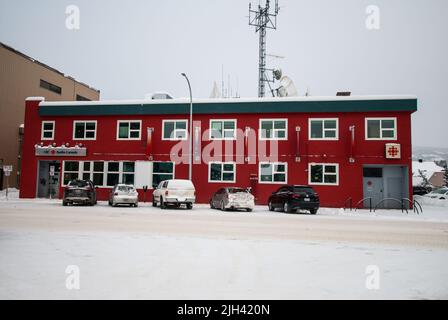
x=263, y=19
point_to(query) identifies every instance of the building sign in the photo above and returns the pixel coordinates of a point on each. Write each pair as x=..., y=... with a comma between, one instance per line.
x=60, y=151
x=393, y=151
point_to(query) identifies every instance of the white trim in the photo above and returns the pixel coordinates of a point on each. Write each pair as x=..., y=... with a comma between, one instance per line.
x=175, y=120
x=129, y=132
x=395, y=137
x=323, y=129
x=84, y=121
x=273, y=172
x=42, y=130
x=273, y=129
x=222, y=122
x=323, y=174
x=222, y=172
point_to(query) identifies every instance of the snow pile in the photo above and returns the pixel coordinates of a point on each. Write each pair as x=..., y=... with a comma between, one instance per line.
x=427, y=201
x=13, y=194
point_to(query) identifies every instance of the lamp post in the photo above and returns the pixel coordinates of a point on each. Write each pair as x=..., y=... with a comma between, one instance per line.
x=190, y=138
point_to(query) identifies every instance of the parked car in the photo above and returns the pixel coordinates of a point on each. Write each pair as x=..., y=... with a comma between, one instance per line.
x=420, y=190
x=441, y=194
x=174, y=192
x=293, y=197
x=232, y=198
x=79, y=191
x=123, y=194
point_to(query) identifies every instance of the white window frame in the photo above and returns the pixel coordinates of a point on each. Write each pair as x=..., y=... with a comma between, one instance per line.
x=273, y=172
x=260, y=137
x=395, y=137
x=129, y=133
x=323, y=128
x=175, y=130
x=323, y=174
x=157, y=173
x=43, y=130
x=85, y=130
x=222, y=172
x=223, y=130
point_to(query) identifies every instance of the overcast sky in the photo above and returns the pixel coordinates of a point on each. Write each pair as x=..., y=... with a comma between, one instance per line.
x=130, y=48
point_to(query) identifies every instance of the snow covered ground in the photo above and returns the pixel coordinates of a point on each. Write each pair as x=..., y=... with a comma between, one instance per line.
x=149, y=253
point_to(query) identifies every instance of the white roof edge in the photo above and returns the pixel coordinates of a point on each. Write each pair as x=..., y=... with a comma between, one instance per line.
x=35, y=99
x=228, y=100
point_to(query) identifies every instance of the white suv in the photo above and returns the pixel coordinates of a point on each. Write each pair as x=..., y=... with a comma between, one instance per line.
x=174, y=192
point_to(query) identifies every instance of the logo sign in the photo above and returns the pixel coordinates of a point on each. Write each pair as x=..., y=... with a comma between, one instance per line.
x=60, y=152
x=7, y=168
x=393, y=151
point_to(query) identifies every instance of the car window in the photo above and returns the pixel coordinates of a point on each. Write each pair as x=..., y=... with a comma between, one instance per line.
x=78, y=183
x=236, y=190
x=165, y=184
x=125, y=188
x=303, y=189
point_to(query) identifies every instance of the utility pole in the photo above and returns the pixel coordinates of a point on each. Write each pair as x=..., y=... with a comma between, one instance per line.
x=262, y=19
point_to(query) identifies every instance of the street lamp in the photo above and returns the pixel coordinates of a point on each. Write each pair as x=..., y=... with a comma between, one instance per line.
x=190, y=141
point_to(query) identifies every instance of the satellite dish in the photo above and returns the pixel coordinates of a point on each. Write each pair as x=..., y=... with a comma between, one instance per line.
x=287, y=88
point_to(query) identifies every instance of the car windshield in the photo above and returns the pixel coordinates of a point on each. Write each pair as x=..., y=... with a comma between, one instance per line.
x=440, y=191
x=78, y=183
x=125, y=188
x=303, y=189
x=236, y=190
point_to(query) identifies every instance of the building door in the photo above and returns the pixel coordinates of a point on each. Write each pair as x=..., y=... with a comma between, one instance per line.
x=373, y=185
x=48, y=179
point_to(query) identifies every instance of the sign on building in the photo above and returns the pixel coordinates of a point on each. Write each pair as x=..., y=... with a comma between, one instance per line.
x=60, y=151
x=393, y=151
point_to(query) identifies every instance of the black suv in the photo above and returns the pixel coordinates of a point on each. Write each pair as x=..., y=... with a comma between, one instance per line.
x=79, y=191
x=291, y=198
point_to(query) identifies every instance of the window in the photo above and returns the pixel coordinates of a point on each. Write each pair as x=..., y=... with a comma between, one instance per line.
x=273, y=129
x=98, y=173
x=275, y=172
x=162, y=171
x=221, y=172
x=325, y=174
x=222, y=129
x=113, y=173
x=49, y=86
x=128, y=173
x=129, y=130
x=71, y=171
x=381, y=128
x=81, y=98
x=84, y=130
x=323, y=129
x=174, y=130
x=47, y=132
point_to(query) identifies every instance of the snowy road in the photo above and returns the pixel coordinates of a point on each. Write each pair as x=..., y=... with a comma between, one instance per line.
x=207, y=254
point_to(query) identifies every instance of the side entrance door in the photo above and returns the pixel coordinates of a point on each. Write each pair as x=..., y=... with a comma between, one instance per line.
x=373, y=185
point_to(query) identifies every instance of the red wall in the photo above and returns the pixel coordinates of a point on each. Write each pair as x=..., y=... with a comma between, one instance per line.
x=106, y=147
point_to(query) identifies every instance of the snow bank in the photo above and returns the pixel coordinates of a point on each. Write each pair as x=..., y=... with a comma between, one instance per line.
x=13, y=194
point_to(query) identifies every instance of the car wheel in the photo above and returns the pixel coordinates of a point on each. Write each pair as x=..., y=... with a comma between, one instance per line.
x=162, y=204
x=154, y=203
x=313, y=211
x=189, y=206
x=286, y=207
x=110, y=203
x=249, y=210
x=135, y=205
x=223, y=207
x=211, y=204
x=443, y=198
x=271, y=207
x=64, y=203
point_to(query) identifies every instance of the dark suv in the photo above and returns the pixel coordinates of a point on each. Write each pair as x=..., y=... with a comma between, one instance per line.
x=79, y=191
x=291, y=198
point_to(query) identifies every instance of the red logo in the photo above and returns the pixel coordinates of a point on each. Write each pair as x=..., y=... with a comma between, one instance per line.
x=393, y=151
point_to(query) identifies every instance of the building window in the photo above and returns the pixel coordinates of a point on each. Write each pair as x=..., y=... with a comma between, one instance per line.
x=113, y=173
x=273, y=129
x=323, y=174
x=162, y=171
x=71, y=171
x=221, y=172
x=174, y=129
x=129, y=130
x=81, y=98
x=381, y=128
x=98, y=173
x=275, y=172
x=323, y=129
x=222, y=129
x=84, y=130
x=49, y=86
x=128, y=173
x=47, y=132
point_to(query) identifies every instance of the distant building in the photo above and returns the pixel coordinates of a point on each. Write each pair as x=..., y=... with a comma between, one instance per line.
x=429, y=170
x=22, y=76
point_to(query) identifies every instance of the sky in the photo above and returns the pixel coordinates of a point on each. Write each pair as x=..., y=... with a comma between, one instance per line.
x=130, y=48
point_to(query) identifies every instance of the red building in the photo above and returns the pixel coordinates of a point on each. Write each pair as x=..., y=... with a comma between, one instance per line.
x=345, y=147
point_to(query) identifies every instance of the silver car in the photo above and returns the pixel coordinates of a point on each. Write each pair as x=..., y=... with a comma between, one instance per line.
x=123, y=194
x=232, y=198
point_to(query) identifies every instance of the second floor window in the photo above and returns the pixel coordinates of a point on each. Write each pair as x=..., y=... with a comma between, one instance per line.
x=174, y=130
x=381, y=128
x=47, y=130
x=323, y=129
x=222, y=129
x=84, y=130
x=273, y=129
x=129, y=130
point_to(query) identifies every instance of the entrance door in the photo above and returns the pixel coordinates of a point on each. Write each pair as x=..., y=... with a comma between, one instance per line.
x=48, y=179
x=373, y=185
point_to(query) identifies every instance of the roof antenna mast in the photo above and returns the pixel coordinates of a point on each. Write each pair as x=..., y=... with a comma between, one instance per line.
x=263, y=19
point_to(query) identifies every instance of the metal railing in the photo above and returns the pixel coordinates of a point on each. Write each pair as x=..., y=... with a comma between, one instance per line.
x=417, y=208
x=362, y=201
x=350, y=201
